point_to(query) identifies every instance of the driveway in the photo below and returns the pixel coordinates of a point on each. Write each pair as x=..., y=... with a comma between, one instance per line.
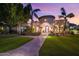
x=29, y=49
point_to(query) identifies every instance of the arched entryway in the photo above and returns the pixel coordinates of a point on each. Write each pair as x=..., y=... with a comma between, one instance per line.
x=46, y=29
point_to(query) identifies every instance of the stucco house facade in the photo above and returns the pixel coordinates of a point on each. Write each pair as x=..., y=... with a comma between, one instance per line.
x=44, y=24
x=48, y=24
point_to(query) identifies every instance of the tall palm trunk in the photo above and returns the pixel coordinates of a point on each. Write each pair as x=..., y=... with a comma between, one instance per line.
x=65, y=24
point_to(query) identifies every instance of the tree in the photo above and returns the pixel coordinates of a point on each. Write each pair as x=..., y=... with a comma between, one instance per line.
x=26, y=12
x=4, y=13
x=20, y=16
x=19, y=12
x=11, y=14
x=65, y=16
x=14, y=13
x=30, y=12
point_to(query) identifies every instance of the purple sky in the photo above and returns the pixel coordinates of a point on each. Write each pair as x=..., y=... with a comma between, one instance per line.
x=54, y=9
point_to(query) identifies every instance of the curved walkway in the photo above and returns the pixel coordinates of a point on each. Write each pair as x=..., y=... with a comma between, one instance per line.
x=29, y=49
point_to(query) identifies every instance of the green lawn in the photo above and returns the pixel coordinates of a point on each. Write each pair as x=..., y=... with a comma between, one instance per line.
x=9, y=42
x=60, y=46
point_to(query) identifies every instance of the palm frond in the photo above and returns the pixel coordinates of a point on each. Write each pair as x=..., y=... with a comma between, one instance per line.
x=35, y=15
x=70, y=15
x=36, y=10
x=63, y=12
x=60, y=16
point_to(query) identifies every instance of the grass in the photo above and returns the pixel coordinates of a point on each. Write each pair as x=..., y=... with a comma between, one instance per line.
x=60, y=46
x=9, y=42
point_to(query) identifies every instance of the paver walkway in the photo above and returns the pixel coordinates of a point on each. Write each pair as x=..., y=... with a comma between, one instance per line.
x=29, y=49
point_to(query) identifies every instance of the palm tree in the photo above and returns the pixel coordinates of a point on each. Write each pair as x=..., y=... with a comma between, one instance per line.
x=65, y=16
x=31, y=12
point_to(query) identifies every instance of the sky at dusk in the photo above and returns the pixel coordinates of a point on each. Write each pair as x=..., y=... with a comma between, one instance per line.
x=54, y=9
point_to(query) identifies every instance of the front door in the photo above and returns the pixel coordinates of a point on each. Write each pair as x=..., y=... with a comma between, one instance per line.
x=46, y=29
